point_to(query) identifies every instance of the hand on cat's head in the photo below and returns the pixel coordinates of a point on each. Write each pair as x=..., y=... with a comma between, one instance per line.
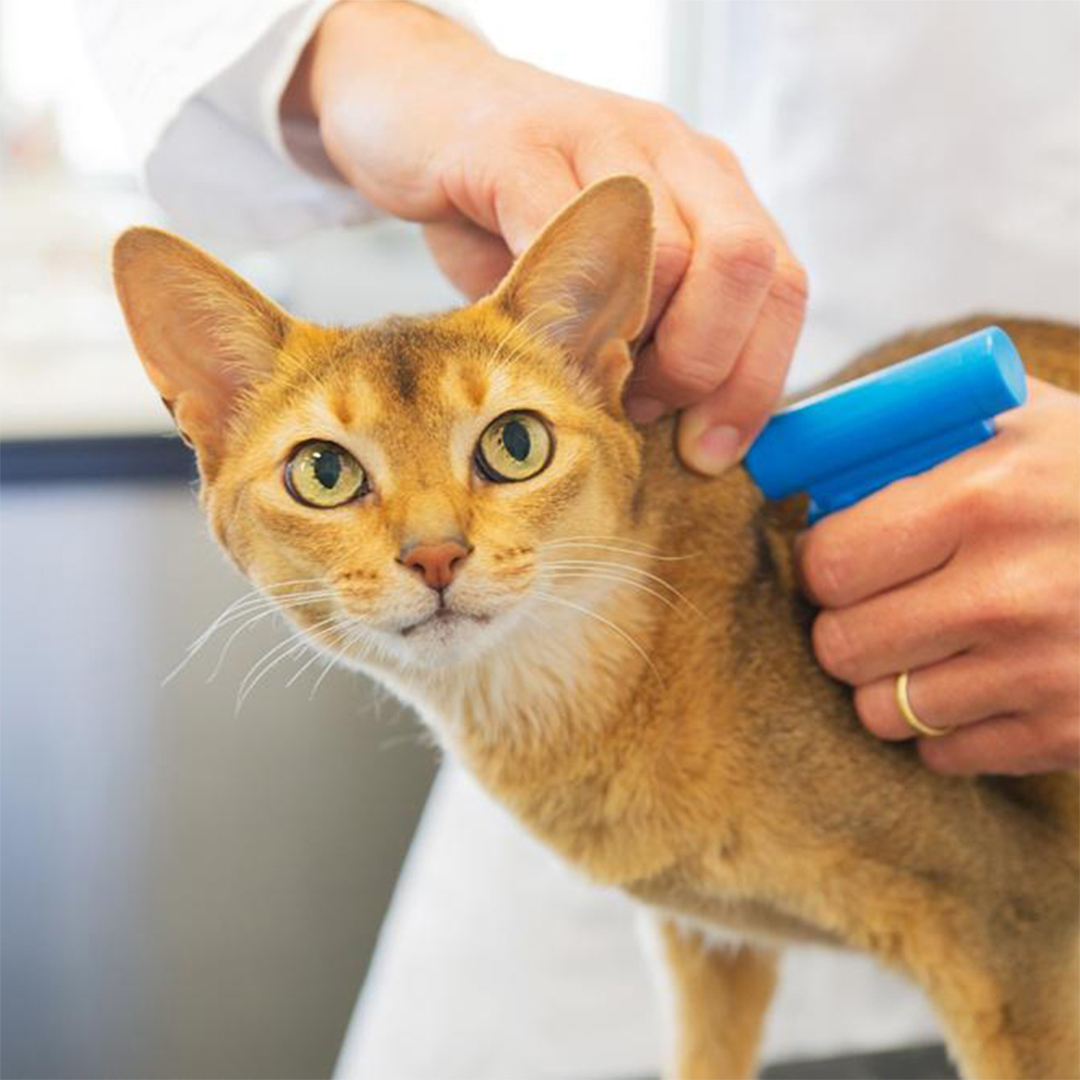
x=411, y=485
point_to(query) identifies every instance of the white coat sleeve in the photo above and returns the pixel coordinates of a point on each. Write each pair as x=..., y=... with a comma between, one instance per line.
x=197, y=87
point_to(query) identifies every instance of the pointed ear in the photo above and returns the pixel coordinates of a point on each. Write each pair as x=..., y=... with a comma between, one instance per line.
x=204, y=335
x=584, y=283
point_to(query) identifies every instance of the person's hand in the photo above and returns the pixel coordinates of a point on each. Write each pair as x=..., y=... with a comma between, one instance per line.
x=431, y=125
x=968, y=576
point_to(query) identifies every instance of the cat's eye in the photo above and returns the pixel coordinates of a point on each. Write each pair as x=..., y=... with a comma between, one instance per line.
x=516, y=446
x=323, y=475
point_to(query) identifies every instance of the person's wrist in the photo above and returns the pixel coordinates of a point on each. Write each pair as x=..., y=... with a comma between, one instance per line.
x=388, y=83
x=367, y=41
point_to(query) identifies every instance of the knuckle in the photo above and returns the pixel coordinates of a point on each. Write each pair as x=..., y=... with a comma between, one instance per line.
x=979, y=499
x=743, y=254
x=833, y=647
x=1006, y=600
x=663, y=118
x=722, y=154
x=791, y=288
x=691, y=375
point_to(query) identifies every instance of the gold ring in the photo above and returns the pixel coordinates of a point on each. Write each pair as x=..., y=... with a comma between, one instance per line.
x=908, y=713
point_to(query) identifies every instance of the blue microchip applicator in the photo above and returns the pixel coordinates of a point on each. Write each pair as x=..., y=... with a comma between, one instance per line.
x=846, y=443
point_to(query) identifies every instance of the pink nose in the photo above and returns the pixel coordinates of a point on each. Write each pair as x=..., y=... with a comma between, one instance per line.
x=436, y=562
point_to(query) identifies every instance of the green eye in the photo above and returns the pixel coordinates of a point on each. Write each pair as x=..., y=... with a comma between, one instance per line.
x=322, y=474
x=515, y=447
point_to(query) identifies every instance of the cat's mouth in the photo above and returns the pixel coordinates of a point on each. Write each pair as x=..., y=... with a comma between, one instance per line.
x=446, y=619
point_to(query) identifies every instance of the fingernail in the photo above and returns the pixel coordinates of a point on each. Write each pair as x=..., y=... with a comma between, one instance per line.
x=644, y=410
x=716, y=448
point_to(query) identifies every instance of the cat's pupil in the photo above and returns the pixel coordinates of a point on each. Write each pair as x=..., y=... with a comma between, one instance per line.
x=327, y=468
x=515, y=437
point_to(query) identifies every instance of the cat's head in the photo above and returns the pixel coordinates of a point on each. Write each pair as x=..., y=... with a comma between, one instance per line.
x=417, y=487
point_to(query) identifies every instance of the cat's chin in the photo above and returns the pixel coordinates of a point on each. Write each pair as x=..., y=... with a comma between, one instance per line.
x=443, y=625
x=444, y=639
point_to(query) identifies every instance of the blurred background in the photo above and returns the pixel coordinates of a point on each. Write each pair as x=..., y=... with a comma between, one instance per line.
x=188, y=889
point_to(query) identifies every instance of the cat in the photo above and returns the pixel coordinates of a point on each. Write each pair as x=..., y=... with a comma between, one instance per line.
x=616, y=647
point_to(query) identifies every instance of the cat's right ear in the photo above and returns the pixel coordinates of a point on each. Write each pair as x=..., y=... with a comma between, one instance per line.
x=204, y=334
x=584, y=282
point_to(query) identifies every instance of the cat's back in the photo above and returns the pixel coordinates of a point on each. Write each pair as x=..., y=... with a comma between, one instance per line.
x=1050, y=350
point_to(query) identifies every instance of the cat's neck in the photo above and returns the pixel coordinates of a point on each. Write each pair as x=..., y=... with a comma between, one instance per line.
x=594, y=704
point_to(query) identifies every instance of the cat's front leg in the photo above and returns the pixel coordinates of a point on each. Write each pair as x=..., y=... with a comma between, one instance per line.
x=714, y=995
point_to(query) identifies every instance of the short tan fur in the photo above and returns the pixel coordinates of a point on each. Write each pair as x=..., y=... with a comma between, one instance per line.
x=622, y=657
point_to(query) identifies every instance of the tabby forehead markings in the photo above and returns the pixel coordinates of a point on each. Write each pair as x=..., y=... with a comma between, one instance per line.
x=341, y=406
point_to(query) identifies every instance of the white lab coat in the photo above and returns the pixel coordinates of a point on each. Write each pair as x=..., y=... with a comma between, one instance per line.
x=924, y=160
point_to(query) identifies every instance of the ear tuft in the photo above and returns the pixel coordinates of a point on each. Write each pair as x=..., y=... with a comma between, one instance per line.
x=584, y=283
x=204, y=334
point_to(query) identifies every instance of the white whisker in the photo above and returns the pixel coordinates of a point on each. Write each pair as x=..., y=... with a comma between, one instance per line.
x=274, y=656
x=616, y=549
x=609, y=576
x=629, y=568
x=270, y=609
x=607, y=622
x=238, y=609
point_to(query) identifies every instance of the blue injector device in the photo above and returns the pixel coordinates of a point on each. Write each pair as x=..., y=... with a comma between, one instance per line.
x=846, y=443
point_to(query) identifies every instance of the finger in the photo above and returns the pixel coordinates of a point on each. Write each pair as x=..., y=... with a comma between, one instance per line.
x=474, y=260
x=903, y=525
x=528, y=194
x=906, y=628
x=959, y=691
x=710, y=317
x=715, y=432
x=736, y=248
x=1013, y=745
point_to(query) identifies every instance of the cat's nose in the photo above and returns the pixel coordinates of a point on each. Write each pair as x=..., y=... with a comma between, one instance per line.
x=435, y=562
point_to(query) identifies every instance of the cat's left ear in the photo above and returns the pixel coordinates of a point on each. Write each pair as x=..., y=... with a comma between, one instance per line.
x=204, y=335
x=584, y=283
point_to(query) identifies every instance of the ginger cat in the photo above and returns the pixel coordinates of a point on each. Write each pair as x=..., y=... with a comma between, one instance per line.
x=615, y=647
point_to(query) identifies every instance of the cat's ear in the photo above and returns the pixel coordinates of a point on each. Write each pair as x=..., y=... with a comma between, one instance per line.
x=204, y=334
x=584, y=283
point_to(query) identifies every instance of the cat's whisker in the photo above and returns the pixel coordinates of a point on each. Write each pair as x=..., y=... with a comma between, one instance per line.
x=628, y=568
x=567, y=542
x=267, y=603
x=344, y=637
x=606, y=622
x=260, y=594
x=600, y=536
x=602, y=575
x=239, y=608
x=330, y=660
x=315, y=655
x=260, y=597
x=352, y=637
x=274, y=656
x=274, y=606
x=379, y=696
